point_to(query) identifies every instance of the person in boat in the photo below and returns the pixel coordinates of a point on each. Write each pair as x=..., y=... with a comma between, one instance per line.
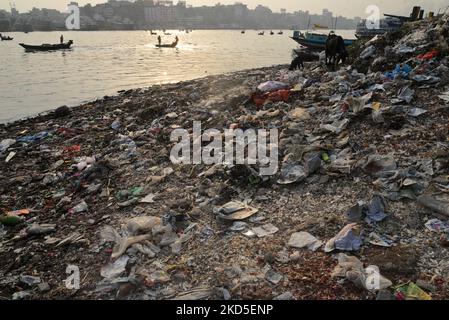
x=176, y=41
x=159, y=40
x=61, y=39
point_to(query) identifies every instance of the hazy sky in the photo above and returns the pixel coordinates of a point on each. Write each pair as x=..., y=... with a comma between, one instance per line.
x=349, y=8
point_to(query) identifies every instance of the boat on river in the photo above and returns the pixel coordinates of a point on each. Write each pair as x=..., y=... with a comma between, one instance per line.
x=168, y=45
x=315, y=41
x=47, y=47
x=7, y=38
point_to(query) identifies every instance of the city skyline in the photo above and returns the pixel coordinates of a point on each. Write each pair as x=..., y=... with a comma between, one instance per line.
x=339, y=7
x=124, y=15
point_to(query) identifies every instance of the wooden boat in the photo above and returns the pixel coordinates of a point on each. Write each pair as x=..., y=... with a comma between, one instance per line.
x=315, y=41
x=280, y=32
x=167, y=45
x=271, y=33
x=47, y=47
x=320, y=27
x=261, y=33
x=243, y=31
x=389, y=24
x=7, y=38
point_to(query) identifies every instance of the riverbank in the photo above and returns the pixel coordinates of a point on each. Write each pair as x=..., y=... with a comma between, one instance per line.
x=357, y=153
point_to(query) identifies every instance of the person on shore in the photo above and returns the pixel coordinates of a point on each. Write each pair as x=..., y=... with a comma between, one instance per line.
x=159, y=40
x=61, y=39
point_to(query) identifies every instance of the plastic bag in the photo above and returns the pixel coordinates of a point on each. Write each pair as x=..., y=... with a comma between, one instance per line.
x=271, y=86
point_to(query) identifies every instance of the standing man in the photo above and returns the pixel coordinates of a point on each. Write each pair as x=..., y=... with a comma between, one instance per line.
x=159, y=39
x=61, y=39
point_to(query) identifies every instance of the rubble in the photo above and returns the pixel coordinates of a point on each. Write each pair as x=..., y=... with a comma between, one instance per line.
x=363, y=167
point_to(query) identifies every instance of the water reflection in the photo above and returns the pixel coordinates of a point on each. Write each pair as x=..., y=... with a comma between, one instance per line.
x=101, y=63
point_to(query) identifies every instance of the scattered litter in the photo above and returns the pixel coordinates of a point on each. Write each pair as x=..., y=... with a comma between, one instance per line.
x=411, y=291
x=265, y=230
x=273, y=277
x=304, y=239
x=271, y=86
x=148, y=198
x=352, y=269
x=291, y=174
x=115, y=269
x=437, y=225
x=378, y=240
x=416, y=112
x=10, y=156
x=235, y=210
x=348, y=239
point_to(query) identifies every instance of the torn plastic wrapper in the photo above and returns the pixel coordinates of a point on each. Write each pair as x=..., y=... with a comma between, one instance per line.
x=352, y=269
x=260, y=99
x=271, y=86
x=291, y=173
x=376, y=209
x=235, y=210
x=346, y=240
x=304, y=239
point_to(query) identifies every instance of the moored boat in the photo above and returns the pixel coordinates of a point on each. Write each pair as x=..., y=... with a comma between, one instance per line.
x=7, y=38
x=315, y=41
x=320, y=27
x=47, y=47
x=389, y=24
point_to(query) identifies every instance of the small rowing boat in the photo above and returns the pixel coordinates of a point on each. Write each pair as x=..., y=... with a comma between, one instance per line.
x=170, y=45
x=47, y=47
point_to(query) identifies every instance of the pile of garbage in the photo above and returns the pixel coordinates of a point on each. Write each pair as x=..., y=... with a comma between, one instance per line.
x=91, y=205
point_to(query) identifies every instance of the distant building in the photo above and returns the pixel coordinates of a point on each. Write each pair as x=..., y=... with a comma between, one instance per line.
x=263, y=10
x=327, y=14
x=162, y=13
x=5, y=23
x=144, y=14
